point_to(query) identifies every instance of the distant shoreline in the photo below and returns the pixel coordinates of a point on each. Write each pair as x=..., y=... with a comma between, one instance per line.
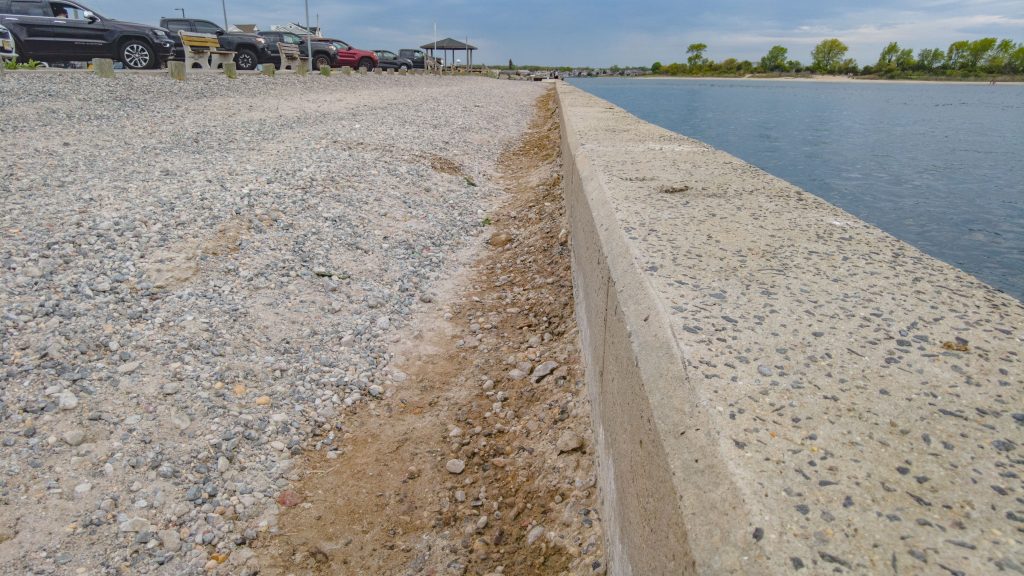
x=832, y=80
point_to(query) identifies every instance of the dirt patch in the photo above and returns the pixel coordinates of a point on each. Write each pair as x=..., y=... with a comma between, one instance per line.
x=492, y=384
x=444, y=165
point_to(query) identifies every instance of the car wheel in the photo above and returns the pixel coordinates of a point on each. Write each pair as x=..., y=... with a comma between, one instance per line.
x=366, y=63
x=322, y=61
x=137, y=55
x=246, y=59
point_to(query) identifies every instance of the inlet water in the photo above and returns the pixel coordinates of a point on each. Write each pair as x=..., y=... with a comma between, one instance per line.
x=940, y=166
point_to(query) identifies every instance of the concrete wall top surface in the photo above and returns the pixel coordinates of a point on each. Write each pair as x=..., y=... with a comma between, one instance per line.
x=866, y=400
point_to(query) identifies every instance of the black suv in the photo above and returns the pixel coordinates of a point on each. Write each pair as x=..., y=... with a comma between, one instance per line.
x=249, y=49
x=63, y=31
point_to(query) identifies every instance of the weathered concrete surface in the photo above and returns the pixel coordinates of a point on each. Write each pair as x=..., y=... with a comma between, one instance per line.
x=778, y=386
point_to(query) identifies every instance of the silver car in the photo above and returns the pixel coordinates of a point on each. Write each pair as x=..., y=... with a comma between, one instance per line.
x=7, y=45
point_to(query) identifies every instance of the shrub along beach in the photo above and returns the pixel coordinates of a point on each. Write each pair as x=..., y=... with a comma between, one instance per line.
x=987, y=58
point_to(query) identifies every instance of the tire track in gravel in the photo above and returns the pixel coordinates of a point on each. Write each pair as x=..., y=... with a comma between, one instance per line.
x=494, y=385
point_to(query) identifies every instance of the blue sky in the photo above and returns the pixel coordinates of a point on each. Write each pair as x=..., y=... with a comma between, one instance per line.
x=602, y=32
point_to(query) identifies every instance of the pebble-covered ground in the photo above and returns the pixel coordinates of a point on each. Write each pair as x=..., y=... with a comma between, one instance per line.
x=197, y=278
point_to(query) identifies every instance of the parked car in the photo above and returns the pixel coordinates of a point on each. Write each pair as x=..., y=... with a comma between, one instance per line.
x=417, y=57
x=324, y=53
x=249, y=49
x=353, y=57
x=66, y=31
x=388, y=60
x=7, y=50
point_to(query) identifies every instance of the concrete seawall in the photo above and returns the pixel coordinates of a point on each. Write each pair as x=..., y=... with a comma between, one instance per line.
x=777, y=386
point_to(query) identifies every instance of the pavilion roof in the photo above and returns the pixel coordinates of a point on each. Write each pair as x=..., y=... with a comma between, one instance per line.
x=448, y=44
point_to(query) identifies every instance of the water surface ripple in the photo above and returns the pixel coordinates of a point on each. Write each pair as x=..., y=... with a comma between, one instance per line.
x=940, y=166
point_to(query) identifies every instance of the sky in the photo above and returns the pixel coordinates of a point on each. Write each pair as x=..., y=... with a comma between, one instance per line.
x=603, y=33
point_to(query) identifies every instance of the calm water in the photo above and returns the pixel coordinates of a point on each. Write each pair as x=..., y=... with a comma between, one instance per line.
x=939, y=166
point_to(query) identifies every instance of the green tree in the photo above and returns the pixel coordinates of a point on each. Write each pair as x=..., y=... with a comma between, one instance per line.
x=887, y=59
x=956, y=55
x=998, y=60
x=656, y=67
x=696, y=58
x=775, y=59
x=930, y=59
x=978, y=51
x=827, y=57
x=905, y=60
x=1017, y=59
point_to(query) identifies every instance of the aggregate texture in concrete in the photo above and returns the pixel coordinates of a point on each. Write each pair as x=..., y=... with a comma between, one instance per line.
x=779, y=387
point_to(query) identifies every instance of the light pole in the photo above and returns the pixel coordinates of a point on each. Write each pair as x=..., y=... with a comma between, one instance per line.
x=309, y=39
x=182, y=10
x=224, y=6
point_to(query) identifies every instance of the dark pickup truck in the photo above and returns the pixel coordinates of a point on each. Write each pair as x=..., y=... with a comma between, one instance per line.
x=65, y=31
x=417, y=57
x=249, y=49
x=325, y=53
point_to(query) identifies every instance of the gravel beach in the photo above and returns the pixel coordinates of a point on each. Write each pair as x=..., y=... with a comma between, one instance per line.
x=199, y=278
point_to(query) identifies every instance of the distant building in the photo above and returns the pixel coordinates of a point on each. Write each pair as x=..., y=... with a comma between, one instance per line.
x=250, y=28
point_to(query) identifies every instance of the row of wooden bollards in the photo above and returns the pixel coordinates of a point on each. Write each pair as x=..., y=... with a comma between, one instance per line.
x=104, y=68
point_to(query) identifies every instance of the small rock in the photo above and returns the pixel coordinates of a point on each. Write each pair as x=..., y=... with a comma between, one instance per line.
x=74, y=437
x=455, y=466
x=569, y=441
x=289, y=499
x=517, y=374
x=543, y=370
x=240, y=556
x=263, y=401
x=500, y=240
x=170, y=539
x=534, y=534
x=129, y=367
x=181, y=421
x=135, y=525
x=83, y=488
x=67, y=401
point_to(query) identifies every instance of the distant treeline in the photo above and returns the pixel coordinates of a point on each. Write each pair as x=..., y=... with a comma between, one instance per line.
x=965, y=58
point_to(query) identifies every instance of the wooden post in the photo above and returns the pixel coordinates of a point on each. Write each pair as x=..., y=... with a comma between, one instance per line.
x=231, y=70
x=177, y=70
x=269, y=69
x=302, y=68
x=346, y=70
x=325, y=70
x=103, y=67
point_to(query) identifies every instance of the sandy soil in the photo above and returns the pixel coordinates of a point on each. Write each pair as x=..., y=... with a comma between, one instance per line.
x=494, y=383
